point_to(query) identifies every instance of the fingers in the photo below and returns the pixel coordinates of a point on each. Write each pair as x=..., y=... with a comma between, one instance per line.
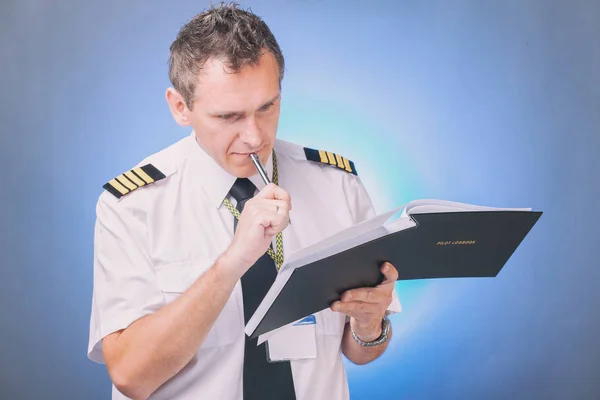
x=389, y=272
x=265, y=215
x=363, y=302
x=367, y=295
x=354, y=308
x=277, y=225
x=274, y=192
x=271, y=213
x=277, y=206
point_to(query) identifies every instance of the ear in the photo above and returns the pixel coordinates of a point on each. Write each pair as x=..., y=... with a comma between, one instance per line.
x=178, y=107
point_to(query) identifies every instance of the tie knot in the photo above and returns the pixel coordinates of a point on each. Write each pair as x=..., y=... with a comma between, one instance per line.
x=242, y=189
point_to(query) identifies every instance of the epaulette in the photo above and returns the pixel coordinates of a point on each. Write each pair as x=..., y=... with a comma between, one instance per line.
x=133, y=179
x=327, y=157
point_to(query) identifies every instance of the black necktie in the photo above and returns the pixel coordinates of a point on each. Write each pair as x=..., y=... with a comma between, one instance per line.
x=262, y=380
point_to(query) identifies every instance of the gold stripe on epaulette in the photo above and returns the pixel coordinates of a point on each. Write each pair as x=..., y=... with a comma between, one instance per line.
x=327, y=157
x=340, y=162
x=347, y=164
x=331, y=158
x=133, y=179
x=143, y=175
x=126, y=182
x=323, y=156
x=122, y=189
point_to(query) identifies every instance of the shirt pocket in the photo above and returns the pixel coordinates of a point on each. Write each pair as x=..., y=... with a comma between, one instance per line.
x=330, y=323
x=175, y=279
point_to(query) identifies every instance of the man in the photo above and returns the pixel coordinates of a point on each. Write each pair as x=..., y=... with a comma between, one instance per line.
x=177, y=273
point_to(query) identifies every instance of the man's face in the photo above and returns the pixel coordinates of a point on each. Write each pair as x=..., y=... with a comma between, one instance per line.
x=236, y=114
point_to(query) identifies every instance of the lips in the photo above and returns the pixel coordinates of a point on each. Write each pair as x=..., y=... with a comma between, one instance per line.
x=247, y=154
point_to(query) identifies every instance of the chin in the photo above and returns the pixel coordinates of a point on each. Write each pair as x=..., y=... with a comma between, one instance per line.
x=241, y=170
x=245, y=172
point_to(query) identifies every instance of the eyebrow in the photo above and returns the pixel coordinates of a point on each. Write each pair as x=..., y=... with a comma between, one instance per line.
x=268, y=103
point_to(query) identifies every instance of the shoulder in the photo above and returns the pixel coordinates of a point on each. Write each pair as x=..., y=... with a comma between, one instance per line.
x=323, y=168
x=315, y=158
x=146, y=177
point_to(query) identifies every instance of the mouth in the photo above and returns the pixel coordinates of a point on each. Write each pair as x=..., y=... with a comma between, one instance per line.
x=247, y=154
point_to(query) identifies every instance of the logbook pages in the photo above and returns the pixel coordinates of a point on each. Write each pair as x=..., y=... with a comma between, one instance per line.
x=395, y=220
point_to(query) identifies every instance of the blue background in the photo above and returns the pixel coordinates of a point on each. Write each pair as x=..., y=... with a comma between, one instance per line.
x=491, y=103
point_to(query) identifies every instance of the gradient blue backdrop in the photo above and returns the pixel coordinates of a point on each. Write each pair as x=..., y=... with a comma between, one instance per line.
x=492, y=103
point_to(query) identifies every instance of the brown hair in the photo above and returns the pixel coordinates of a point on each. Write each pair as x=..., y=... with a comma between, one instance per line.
x=223, y=31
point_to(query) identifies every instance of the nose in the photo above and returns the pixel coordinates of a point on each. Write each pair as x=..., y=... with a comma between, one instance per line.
x=250, y=133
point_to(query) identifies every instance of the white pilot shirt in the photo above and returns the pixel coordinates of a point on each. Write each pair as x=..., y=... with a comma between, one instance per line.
x=153, y=243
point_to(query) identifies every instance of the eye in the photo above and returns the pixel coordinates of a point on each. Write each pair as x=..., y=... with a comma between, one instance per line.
x=226, y=117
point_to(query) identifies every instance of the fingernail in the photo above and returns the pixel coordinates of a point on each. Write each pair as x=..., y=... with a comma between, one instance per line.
x=386, y=267
x=335, y=306
x=348, y=295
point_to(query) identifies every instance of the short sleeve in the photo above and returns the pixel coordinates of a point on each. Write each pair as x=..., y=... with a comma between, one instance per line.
x=125, y=286
x=359, y=201
x=361, y=208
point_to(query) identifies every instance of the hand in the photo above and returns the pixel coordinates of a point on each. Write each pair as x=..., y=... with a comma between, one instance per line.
x=367, y=306
x=265, y=215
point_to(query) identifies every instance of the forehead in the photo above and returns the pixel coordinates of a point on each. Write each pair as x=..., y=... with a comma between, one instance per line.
x=219, y=86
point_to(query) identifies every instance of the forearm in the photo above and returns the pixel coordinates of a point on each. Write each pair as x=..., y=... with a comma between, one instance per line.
x=359, y=354
x=156, y=347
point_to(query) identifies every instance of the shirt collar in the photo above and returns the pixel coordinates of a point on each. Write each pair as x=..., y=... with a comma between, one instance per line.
x=215, y=180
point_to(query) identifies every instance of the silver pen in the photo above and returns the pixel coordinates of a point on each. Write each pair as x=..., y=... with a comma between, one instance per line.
x=262, y=171
x=260, y=168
